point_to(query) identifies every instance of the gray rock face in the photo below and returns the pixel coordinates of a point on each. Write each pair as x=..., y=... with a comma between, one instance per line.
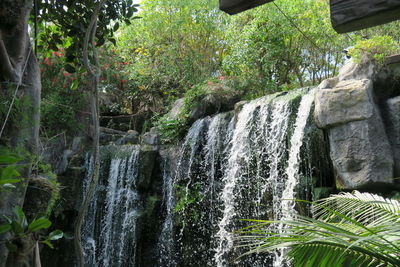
x=393, y=110
x=354, y=71
x=349, y=100
x=131, y=138
x=360, y=153
x=219, y=99
x=359, y=147
x=152, y=137
x=176, y=109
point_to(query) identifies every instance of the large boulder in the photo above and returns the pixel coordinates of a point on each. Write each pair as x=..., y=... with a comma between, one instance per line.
x=152, y=137
x=359, y=146
x=217, y=98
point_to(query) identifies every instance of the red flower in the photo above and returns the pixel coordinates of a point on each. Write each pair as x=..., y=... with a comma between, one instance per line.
x=221, y=78
x=210, y=83
x=123, y=81
x=47, y=61
x=66, y=74
x=126, y=63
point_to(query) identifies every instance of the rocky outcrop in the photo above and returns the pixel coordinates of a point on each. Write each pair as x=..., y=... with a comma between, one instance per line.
x=359, y=145
x=217, y=98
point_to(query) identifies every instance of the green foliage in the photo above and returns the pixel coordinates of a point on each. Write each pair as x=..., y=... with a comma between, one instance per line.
x=19, y=229
x=171, y=131
x=175, y=45
x=9, y=174
x=376, y=48
x=62, y=101
x=192, y=98
x=268, y=52
x=69, y=20
x=349, y=229
x=187, y=204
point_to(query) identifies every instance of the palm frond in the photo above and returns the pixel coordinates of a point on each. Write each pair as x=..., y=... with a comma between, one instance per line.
x=349, y=229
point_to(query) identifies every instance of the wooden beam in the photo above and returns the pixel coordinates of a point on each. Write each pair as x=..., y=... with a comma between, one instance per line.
x=236, y=6
x=393, y=59
x=353, y=15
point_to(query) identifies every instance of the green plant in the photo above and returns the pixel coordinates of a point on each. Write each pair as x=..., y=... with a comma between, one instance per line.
x=348, y=229
x=192, y=98
x=187, y=204
x=171, y=130
x=376, y=48
x=9, y=174
x=21, y=231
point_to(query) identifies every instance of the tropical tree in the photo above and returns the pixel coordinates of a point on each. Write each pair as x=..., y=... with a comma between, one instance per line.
x=175, y=45
x=348, y=229
x=286, y=44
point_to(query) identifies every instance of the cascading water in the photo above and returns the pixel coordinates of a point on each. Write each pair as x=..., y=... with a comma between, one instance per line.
x=109, y=233
x=231, y=166
x=166, y=244
x=293, y=168
x=244, y=176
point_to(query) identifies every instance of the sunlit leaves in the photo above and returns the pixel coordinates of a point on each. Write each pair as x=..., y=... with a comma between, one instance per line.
x=349, y=229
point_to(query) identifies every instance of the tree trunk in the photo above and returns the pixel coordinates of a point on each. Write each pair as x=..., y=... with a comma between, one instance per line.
x=94, y=72
x=19, y=81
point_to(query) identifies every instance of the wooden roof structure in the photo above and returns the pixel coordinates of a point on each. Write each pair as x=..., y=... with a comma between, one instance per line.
x=346, y=15
x=353, y=15
x=236, y=6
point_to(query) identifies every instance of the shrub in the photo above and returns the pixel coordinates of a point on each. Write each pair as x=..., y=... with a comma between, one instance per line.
x=376, y=49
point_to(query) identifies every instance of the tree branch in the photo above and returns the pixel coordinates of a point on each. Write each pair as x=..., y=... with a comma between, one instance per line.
x=94, y=75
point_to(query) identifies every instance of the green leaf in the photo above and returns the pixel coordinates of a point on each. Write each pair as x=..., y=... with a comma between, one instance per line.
x=68, y=235
x=8, y=219
x=20, y=217
x=9, y=172
x=74, y=84
x=55, y=235
x=9, y=181
x=16, y=228
x=47, y=243
x=39, y=224
x=4, y=228
x=9, y=159
x=8, y=186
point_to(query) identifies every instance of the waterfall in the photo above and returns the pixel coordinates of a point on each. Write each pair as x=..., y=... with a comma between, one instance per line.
x=230, y=166
x=296, y=141
x=109, y=232
x=293, y=168
x=256, y=170
x=166, y=244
